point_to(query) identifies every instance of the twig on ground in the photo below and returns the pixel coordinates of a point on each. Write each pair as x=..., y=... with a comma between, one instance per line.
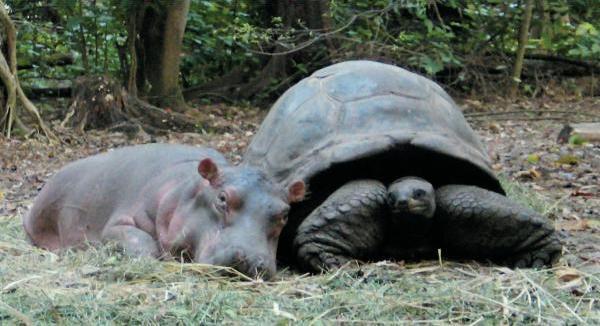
x=517, y=112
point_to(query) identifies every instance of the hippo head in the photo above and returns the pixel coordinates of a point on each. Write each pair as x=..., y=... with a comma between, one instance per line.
x=234, y=218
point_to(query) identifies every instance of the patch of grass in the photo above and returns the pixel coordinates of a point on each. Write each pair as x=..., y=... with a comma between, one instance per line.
x=528, y=197
x=100, y=286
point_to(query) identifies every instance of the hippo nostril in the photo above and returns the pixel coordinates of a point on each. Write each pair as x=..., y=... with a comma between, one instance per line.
x=249, y=263
x=256, y=267
x=263, y=270
x=240, y=257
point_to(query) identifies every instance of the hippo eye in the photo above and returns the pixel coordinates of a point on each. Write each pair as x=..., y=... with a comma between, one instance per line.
x=282, y=217
x=222, y=201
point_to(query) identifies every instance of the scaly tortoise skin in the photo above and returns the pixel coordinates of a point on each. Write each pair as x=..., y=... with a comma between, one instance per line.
x=394, y=172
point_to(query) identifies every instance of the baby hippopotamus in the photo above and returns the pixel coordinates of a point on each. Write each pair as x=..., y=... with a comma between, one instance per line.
x=163, y=201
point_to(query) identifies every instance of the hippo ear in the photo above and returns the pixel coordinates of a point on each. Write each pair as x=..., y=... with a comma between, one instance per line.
x=296, y=191
x=208, y=170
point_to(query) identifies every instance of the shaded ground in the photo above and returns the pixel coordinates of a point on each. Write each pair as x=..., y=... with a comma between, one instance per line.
x=562, y=181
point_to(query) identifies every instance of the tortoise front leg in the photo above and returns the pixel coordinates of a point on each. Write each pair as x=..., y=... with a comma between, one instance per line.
x=348, y=225
x=474, y=222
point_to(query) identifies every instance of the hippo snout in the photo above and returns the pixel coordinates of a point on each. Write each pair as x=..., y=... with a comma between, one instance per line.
x=256, y=266
x=253, y=265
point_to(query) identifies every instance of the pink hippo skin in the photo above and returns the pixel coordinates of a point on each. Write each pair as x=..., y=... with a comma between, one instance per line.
x=163, y=201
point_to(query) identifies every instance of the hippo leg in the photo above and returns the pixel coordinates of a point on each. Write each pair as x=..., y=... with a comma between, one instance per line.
x=348, y=225
x=475, y=222
x=134, y=241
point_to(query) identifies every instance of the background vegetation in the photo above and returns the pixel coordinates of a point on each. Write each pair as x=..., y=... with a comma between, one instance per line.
x=236, y=50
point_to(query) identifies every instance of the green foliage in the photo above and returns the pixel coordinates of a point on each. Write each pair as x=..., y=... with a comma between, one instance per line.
x=418, y=41
x=51, y=28
x=571, y=29
x=212, y=45
x=232, y=35
x=577, y=140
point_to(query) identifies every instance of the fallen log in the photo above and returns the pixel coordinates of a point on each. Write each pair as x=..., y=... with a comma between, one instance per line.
x=589, y=131
x=554, y=58
x=56, y=60
x=35, y=93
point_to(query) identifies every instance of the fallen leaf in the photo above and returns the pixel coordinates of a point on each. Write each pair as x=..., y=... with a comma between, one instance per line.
x=530, y=174
x=567, y=274
x=574, y=225
x=568, y=159
x=577, y=140
x=579, y=193
x=533, y=158
x=474, y=104
x=494, y=127
x=569, y=279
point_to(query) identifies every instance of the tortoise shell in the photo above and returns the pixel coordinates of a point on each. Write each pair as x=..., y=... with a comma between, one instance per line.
x=364, y=111
x=364, y=119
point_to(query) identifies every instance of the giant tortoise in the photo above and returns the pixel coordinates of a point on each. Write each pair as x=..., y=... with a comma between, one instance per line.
x=394, y=172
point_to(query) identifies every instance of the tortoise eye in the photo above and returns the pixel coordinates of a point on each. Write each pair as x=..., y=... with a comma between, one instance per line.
x=419, y=193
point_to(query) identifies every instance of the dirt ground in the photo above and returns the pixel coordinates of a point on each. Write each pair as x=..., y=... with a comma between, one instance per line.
x=524, y=149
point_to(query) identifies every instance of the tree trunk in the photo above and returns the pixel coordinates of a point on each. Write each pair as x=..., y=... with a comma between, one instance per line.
x=10, y=81
x=161, y=38
x=83, y=42
x=123, y=62
x=133, y=56
x=328, y=25
x=150, y=62
x=538, y=13
x=276, y=65
x=523, y=38
x=311, y=13
x=173, y=40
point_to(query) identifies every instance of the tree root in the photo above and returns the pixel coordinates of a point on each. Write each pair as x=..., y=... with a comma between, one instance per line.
x=101, y=103
x=8, y=76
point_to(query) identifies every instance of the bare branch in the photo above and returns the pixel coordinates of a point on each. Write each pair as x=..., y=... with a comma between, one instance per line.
x=320, y=36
